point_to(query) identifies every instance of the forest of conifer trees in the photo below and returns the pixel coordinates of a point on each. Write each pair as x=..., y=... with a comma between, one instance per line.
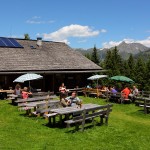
x=136, y=69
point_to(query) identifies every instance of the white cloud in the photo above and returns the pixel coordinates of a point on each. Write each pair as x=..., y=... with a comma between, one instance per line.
x=73, y=30
x=110, y=44
x=145, y=42
x=37, y=20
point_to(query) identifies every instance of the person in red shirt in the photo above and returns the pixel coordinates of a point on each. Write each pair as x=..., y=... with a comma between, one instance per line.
x=25, y=93
x=125, y=92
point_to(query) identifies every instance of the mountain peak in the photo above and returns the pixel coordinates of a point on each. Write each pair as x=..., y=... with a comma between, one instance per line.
x=125, y=49
x=123, y=43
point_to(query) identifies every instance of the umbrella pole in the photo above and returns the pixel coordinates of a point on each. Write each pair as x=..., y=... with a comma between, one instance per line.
x=97, y=88
x=29, y=85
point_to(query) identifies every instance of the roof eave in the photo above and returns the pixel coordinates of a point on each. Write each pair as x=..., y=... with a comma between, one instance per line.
x=53, y=71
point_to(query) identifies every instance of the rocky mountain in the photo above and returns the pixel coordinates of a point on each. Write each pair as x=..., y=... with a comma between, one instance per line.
x=132, y=48
x=125, y=49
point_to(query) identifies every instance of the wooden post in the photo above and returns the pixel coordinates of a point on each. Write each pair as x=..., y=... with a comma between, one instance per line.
x=101, y=119
x=145, y=110
x=107, y=96
x=97, y=92
x=83, y=121
x=107, y=114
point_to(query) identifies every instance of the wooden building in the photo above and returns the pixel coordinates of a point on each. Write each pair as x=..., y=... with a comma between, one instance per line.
x=55, y=61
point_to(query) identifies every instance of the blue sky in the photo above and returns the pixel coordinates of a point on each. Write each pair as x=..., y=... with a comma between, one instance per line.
x=79, y=23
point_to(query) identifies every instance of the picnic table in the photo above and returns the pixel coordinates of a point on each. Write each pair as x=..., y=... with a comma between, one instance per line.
x=37, y=104
x=12, y=97
x=3, y=93
x=80, y=114
x=74, y=109
x=38, y=98
x=7, y=91
x=42, y=93
x=94, y=92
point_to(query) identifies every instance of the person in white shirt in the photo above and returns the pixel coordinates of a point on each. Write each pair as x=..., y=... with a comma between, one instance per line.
x=134, y=93
x=17, y=90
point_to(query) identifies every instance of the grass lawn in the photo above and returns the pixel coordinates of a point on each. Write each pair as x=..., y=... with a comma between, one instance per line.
x=128, y=129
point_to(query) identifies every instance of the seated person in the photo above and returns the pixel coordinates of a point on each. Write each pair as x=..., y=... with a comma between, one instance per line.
x=63, y=100
x=125, y=92
x=134, y=93
x=71, y=100
x=114, y=97
x=17, y=90
x=25, y=93
x=113, y=90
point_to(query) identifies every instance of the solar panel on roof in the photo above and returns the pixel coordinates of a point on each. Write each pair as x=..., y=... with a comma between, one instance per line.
x=15, y=43
x=9, y=42
x=1, y=43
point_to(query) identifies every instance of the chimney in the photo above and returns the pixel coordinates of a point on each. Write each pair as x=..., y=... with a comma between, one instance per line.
x=39, y=41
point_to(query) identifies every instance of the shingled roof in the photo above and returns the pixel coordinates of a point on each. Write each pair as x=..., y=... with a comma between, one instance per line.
x=50, y=57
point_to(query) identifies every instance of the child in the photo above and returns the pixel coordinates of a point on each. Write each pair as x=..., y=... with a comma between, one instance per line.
x=25, y=93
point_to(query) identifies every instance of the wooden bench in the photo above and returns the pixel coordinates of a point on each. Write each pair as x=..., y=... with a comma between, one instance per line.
x=46, y=107
x=139, y=101
x=28, y=109
x=12, y=97
x=144, y=94
x=143, y=102
x=88, y=114
x=113, y=97
x=34, y=99
x=118, y=98
x=21, y=103
x=49, y=117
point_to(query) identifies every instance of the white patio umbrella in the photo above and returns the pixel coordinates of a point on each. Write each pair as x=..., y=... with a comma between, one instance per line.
x=96, y=77
x=28, y=77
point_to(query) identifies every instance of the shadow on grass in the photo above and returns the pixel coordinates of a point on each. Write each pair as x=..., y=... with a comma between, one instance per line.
x=139, y=113
x=87, y=127
x=55, y=125
x=73, y=128
x=12, y=104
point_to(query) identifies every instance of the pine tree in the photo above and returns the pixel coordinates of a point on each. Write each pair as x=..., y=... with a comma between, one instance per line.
x=108, y=63
x=126, y=69
x=117, y=62
x=140, y=69
x=147, y=74
x=131, y=64
x=94, y=56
